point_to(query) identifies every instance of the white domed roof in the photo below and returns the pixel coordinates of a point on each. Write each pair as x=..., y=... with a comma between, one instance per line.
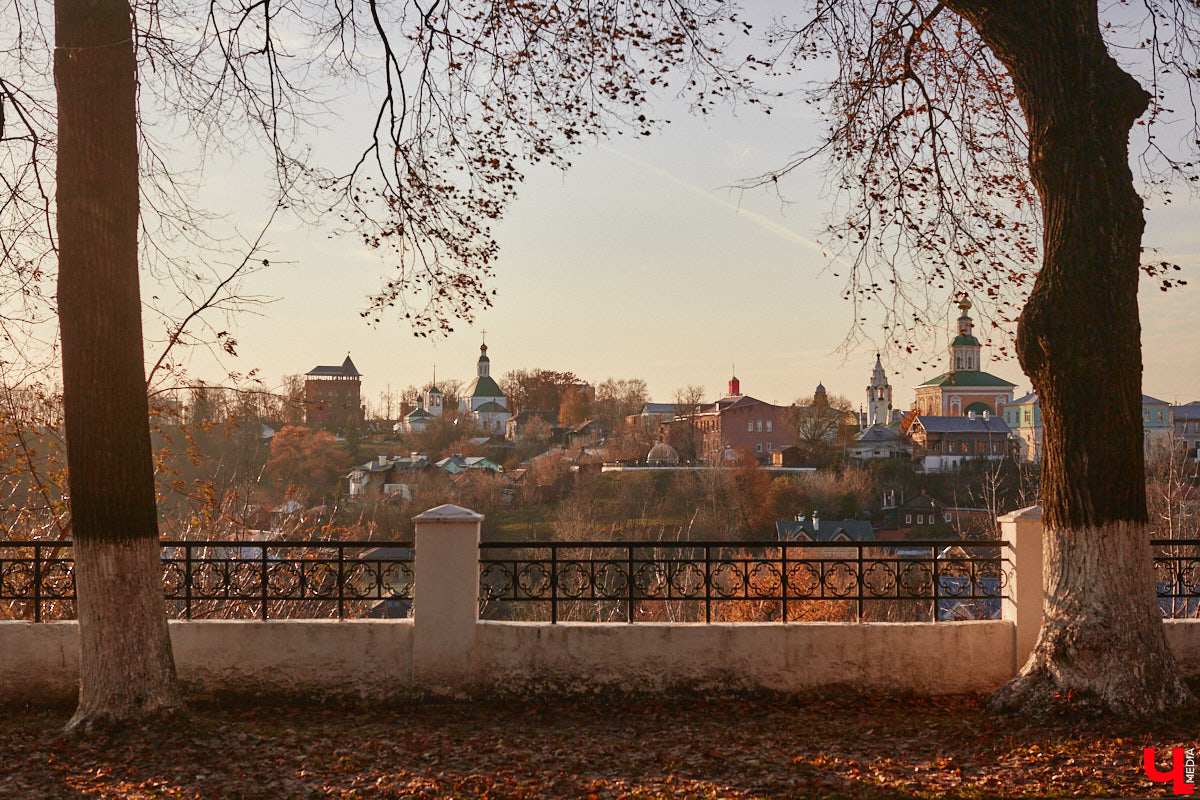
x=662, y=453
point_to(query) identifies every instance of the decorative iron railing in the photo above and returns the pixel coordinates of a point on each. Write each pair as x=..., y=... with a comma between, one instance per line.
x=229, y=579
x=567, y=581
x=1177, y=577
x=750, y=582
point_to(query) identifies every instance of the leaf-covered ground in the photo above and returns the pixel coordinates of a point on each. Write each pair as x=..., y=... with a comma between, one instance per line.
x=838, y=744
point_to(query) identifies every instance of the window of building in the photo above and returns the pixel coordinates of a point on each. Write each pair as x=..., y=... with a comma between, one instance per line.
x=1146, y=415
x=969, y=361
x=947, y=516
x=750, y=427
x=1027, y=413
x=758, y=447
x=768, y=426
x=908, y=519
x=760, y=426
x=920, y=519
x=768, y=445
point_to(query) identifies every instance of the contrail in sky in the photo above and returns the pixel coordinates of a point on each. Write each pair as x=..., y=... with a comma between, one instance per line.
x=782, y=231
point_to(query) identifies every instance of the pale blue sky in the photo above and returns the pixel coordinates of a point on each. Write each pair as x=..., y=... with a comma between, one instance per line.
x=642, y=262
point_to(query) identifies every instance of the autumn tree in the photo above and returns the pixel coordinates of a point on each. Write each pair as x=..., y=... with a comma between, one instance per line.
x=1171, y=492
x=125, y=650
x=686, y=435
x=467, y=94
x=306, y=461
x=576, y=406
x=974, y=140
x=537, y=389
x=751, y=489
x=821, y=427
x=617, y=399
x=291, y=406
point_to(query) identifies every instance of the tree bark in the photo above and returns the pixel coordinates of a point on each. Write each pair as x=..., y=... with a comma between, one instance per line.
x=126, y=667
x=1102, y=644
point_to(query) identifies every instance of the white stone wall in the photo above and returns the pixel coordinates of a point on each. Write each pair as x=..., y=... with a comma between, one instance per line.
x=446, y=650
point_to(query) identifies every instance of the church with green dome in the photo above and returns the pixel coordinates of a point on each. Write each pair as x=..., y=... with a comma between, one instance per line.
x=966, y=388
x=482, y=401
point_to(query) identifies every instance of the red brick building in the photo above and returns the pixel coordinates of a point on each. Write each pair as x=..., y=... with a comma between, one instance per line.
x=333, y=396
x=736, y=422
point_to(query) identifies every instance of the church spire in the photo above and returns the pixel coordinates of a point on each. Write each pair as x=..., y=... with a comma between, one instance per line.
x=879, y=396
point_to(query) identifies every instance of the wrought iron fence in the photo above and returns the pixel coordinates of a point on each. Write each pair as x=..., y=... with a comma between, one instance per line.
x=229, y=579
x=734, y=582
x=1177, y=577
x=568, y=581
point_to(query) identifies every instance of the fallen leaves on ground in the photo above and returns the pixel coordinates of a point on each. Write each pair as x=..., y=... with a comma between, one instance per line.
x=830, y=745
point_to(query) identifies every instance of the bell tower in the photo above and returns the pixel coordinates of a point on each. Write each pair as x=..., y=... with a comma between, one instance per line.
x=879, y=396
x=965, y=349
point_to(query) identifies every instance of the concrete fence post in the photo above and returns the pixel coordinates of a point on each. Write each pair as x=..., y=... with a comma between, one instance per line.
x=1023, y=599
x=445, y=598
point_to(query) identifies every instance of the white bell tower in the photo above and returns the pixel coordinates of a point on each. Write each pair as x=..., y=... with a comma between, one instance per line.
x=879, y=396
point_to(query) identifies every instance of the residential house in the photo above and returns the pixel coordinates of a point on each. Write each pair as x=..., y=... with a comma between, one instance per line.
x=790, y=456
x=652, y=415
x=587, y=432
x=879, y=441
x=1185, y=421
x=385, y=475
x=457, y=463
x=517, y=427
x=926, y=517
x=812, y=529
x=1157, y=429
x=945, y=442
x=1024, y=417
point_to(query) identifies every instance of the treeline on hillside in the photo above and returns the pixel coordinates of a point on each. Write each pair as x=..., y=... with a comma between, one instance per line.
x=249, y=470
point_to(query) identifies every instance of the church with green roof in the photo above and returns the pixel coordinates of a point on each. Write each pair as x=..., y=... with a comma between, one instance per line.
x=483, y=401
x=966, y=388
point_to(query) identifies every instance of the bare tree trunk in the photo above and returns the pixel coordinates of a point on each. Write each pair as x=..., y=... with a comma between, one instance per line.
x=126, y=666
x=1102, y=644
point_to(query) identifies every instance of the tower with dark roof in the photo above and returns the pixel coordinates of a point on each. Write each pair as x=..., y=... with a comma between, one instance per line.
x=333, y=396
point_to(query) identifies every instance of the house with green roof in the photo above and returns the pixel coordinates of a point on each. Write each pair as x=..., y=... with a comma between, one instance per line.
x=965, y=388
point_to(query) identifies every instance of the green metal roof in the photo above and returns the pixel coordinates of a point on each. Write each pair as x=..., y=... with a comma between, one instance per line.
x=485, y=386
x=966, y=377
x=966, y=339
x=491, y=407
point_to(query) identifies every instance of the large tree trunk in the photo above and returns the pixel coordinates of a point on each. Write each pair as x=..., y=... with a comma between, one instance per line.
x=126, y=667
x=1102, y=644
